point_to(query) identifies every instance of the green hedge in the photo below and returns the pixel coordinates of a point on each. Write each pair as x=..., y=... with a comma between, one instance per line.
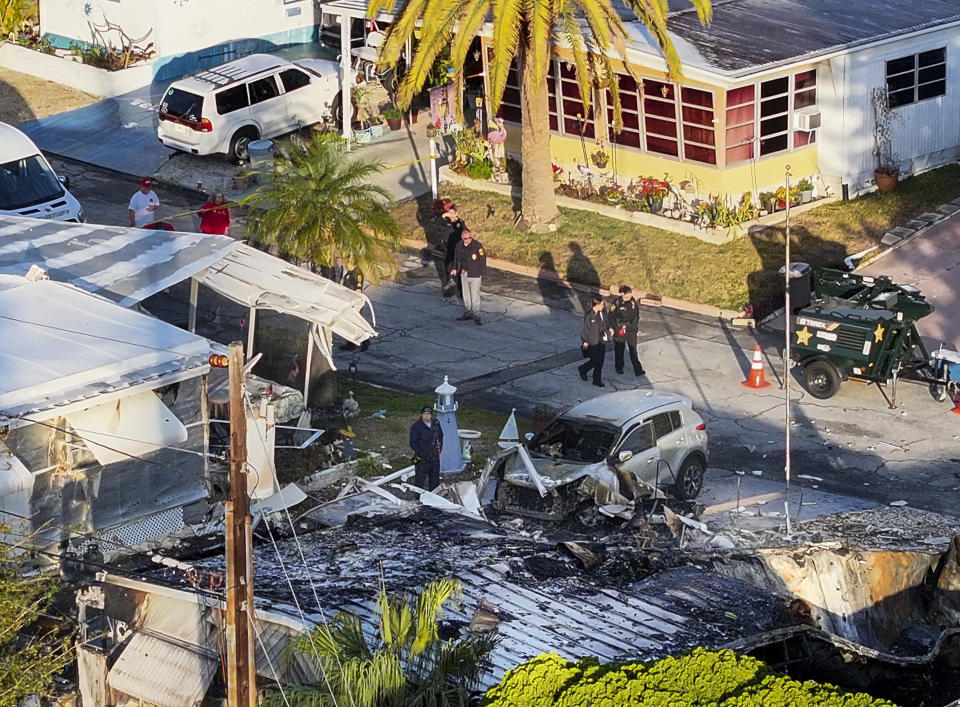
x=703, y=677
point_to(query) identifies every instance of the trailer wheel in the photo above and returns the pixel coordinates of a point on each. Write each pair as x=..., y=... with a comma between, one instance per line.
x=938, y=391
x=821, y=379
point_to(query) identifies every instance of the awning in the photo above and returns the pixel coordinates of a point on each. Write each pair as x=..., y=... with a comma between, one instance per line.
x=261, y=281
x=162, y=673
x=123, y=264
x=127, y=428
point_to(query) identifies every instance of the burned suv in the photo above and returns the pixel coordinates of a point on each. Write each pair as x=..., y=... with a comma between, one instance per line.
x=611, y=449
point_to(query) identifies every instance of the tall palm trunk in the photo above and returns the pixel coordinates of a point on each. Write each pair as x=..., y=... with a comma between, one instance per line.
x=538, y=203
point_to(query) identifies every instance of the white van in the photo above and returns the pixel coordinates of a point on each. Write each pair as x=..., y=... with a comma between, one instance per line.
x=223, y=109
x=28, y=185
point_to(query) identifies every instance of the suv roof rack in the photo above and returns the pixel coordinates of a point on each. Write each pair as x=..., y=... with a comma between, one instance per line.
x=227, y=74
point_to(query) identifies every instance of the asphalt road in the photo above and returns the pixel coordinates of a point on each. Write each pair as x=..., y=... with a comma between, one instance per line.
x=524, y=357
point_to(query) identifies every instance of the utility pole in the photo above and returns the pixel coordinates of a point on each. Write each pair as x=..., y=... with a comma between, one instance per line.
x=787, y=319
x=241, y=666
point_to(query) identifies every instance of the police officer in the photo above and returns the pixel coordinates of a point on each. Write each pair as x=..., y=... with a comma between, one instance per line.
x=470, y=263
x=594, y=335
x=625, y=321
x=426, y=441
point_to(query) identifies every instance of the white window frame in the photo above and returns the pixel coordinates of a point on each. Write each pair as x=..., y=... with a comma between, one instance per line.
x=758, y=118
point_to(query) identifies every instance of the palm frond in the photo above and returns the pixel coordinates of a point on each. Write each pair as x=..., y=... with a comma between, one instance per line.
x=573, y=35
x=399, y=31
x=429, y=609
x=653, y=14
x=540, y=18
x=506, y=17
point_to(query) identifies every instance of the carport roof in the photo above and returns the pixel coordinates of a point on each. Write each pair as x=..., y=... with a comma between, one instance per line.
x=123, y=264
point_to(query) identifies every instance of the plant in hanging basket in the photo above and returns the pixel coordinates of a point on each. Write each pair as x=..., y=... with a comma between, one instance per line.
x=600, y=158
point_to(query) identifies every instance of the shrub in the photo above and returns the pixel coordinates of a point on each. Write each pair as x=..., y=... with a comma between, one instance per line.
x=480, y=169
x=703, y=677
x=391, y=114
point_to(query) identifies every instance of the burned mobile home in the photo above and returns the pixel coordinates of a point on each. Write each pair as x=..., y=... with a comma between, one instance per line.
x=106, y=410
x=103, y=411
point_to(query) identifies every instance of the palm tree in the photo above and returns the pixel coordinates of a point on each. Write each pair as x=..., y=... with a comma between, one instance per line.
x=406, y=664
x=316, y=203
x=524, y=31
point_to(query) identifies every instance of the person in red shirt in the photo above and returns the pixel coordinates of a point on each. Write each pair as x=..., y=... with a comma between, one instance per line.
x=215, y=216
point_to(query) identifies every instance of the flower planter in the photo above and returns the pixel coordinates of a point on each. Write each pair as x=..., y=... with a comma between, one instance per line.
x=806, y=196
x=376, y=130
x=362, y=137
x=395, y=124
x=886, y=182
x=655, y=205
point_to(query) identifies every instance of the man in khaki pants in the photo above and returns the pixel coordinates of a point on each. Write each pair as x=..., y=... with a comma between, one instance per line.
x=470, y=263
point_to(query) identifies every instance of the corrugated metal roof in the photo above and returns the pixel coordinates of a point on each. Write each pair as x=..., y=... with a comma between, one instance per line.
x=663, y=615
x=163, y=673
x=748, y=35
x=258, y=279
x=126, y=265
x=60, y=345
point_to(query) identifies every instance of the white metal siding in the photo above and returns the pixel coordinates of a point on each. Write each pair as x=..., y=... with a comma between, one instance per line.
x=925, y=134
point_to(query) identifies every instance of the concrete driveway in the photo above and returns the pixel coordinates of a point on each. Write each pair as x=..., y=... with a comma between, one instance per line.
x=930, y=262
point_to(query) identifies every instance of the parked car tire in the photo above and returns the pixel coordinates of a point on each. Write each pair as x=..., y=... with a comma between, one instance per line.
x=240, y=144
x=821, y=379
x=689, y=479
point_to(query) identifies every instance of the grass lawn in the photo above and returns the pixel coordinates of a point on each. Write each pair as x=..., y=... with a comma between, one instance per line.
x=390, y=436
x=730, y=276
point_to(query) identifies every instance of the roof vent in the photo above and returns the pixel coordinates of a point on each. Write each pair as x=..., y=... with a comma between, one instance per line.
x=36, y=273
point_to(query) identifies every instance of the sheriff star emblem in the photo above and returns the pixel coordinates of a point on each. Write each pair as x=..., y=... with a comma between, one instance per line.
x=803, y=336
x=878, y=333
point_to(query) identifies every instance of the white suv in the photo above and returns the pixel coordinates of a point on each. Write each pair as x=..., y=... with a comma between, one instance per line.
x=631, y=442
x=221, y=110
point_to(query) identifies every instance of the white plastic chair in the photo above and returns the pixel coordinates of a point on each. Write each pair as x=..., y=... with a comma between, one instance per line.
x=366, y=56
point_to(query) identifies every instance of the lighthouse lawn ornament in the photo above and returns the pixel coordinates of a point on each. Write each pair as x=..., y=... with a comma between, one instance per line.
x=451, y=461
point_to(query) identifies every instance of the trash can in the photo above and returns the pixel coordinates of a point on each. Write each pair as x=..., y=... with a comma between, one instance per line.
x=260, y=151
x=801, y=277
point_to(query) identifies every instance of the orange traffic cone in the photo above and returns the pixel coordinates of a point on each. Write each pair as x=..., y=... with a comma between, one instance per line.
x=957, y=409
x=756, y=379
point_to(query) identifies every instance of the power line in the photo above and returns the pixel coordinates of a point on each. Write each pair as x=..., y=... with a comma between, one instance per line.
x=89, y=335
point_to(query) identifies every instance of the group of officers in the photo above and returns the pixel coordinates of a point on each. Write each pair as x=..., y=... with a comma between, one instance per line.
x=619, y=323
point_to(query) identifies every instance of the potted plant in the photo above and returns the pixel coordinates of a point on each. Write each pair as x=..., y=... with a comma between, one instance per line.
x=376, y=126
x=805, y=187
x=654, y=190
x=600, y=158
x=393, y=117
x=886, y=174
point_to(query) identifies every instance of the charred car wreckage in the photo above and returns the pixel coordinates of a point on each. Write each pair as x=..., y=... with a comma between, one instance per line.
x=609, y=451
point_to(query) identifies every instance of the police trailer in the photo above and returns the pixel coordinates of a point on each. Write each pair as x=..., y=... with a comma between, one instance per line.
x=863, y=328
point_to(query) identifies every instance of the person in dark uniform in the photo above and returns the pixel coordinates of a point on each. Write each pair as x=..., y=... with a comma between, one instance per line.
x=426, y=441
x=625, y=321
x=594, y=336
x=457, y=227
x=470, y=263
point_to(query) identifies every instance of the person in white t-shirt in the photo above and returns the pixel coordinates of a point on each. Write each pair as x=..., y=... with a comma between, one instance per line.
x=143, y=204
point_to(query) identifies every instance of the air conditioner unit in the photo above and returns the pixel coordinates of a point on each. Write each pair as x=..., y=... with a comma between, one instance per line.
x=806, y=119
